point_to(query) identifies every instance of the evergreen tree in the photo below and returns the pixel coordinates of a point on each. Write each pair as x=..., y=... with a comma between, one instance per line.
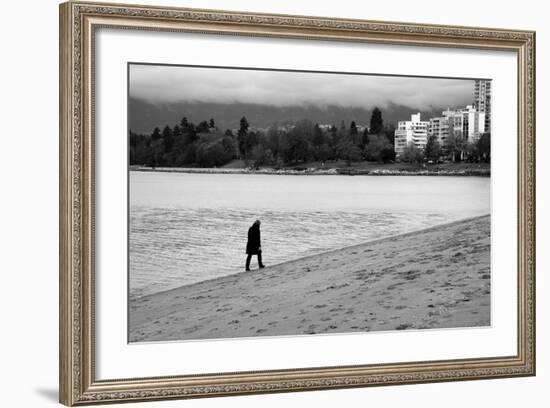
x=376, y=122
x=177, y=132
x=353, y=134
x=203, y=127
x=184, y=124
x=242, y=135
x=318, y=136
x=189, y=132
x=156, y=134
x=168, y=138
x=273, y=139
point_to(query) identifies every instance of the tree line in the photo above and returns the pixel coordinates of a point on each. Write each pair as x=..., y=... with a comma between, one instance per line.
x=204, y=145
x=456, y=148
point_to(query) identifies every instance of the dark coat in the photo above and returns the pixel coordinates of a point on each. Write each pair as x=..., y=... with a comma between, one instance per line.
x=254, y=243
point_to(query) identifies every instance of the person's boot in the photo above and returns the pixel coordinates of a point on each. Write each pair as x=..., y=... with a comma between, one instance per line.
x=262, y=266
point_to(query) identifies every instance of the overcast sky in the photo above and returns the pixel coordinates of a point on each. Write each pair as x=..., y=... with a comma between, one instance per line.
x=160, y=84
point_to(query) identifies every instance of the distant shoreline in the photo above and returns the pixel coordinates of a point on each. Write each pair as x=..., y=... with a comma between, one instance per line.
x=313, y=171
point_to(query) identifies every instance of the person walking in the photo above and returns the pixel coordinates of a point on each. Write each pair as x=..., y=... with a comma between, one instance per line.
x=254, y=245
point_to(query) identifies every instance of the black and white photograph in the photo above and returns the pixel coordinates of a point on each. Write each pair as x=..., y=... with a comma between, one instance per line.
x=266, y=202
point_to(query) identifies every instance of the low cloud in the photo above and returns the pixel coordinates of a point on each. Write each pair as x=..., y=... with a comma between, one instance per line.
x=167, y=84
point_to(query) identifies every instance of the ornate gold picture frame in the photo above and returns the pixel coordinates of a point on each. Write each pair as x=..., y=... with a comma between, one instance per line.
x=78, y=24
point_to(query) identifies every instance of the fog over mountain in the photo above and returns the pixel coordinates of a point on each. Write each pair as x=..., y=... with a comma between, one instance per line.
x=161, y=95
x=145, y=116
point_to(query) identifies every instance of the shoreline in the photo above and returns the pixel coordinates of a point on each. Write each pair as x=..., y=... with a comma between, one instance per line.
x=336, y=250
x=441, y=267
x=318, y=172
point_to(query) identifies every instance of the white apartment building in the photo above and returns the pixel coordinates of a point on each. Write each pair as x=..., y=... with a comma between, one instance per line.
x=414, y=130
x=467, y=122
x=440, y=128
x=473, y=123
x=482, y=100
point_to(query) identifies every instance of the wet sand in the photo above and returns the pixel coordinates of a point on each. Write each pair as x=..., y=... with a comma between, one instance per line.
x=433, y=278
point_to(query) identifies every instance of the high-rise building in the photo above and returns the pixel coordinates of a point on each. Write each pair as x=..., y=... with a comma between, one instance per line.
x=439, y=127
x=414, y=130
x=466, y=123
x=482, y=101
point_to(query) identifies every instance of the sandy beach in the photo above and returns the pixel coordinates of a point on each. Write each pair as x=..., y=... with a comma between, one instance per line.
x=433, y=278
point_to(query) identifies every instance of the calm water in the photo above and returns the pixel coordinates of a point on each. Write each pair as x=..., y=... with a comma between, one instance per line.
x=185, y=228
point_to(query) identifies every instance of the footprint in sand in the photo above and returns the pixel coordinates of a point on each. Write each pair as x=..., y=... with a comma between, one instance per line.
x=191, y=329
